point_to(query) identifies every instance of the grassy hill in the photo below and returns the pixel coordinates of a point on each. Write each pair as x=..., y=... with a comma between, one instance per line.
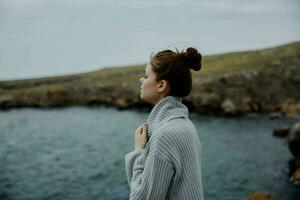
x=261, y=81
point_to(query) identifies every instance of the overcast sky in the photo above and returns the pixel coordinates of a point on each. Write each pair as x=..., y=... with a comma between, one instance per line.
x=53, y=37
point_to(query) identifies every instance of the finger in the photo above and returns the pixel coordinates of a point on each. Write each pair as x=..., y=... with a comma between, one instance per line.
x=145, y=129
x=141, y=126
x=139, y=130
x=144, y=125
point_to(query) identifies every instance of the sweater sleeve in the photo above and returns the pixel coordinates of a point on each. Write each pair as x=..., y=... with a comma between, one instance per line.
x=134, y=164
x=150, y=180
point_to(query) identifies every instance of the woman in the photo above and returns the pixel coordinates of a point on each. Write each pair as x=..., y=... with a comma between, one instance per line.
x=166, y=162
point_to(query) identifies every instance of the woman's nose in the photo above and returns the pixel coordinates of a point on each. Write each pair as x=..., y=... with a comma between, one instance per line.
x=141, y=79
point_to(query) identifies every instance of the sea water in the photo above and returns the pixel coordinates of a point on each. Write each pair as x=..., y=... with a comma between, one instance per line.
x=78, y=153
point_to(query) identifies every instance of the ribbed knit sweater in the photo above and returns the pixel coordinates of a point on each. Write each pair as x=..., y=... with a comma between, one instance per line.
x=169, y=167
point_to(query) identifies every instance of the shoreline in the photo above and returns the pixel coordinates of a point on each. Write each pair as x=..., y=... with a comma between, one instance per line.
x=262, y=82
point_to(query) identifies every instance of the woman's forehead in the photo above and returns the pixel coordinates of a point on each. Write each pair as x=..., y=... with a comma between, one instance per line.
x=148, y=68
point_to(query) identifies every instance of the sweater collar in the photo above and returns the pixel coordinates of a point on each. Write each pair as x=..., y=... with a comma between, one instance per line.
x=165, y=109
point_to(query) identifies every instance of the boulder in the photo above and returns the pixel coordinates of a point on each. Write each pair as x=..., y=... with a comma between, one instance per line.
x=281, y=132
x=6, y=100
x=229, y=108
x=290, y=108
x=294, y=139
x=57, y=91
x=121, y=103
x=211, y=99
x=208, y=103
x=260, y=196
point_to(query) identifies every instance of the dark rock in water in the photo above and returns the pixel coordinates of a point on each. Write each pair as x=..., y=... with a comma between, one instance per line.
x=294, y=139
x=281, y=132
x=260, y=196
x=293, y=164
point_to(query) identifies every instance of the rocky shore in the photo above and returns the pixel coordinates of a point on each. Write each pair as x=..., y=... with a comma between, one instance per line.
x=254, y=82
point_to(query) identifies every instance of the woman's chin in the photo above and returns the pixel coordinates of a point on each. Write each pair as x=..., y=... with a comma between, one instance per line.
x=141, y=95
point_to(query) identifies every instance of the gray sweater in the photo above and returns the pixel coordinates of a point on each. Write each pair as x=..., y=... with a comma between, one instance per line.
x=169, y=167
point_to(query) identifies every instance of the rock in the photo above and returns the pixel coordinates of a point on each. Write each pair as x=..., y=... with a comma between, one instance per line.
x=294, y=139
x=229, y=107
x=281, y=132
x=125, y=84
x=5, y=100
x=210, y=99
x=94, y=101
x=275, y=115
x=208, y=103
x=295, y=178
x=290, y=108
x=294, y=165
x=121, y=103
x=260, y=196
x=253, y=104
x=57, y=91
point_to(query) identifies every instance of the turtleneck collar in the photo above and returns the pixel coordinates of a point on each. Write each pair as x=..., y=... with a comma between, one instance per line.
x=165, y=109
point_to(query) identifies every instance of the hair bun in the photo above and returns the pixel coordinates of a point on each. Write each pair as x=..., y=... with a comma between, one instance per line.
x=193, y=58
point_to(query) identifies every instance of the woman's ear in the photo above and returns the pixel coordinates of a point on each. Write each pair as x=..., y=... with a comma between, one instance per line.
x=163, y=86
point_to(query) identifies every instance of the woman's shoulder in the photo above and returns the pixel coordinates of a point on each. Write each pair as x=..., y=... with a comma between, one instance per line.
x=170, y=139
x=174, y=130
x=178, y=125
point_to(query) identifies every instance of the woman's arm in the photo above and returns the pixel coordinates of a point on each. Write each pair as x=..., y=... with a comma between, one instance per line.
x=134, y=162
x=150, y=180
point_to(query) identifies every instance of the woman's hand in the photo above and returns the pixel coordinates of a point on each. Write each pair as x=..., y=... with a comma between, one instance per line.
x=141, y=136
